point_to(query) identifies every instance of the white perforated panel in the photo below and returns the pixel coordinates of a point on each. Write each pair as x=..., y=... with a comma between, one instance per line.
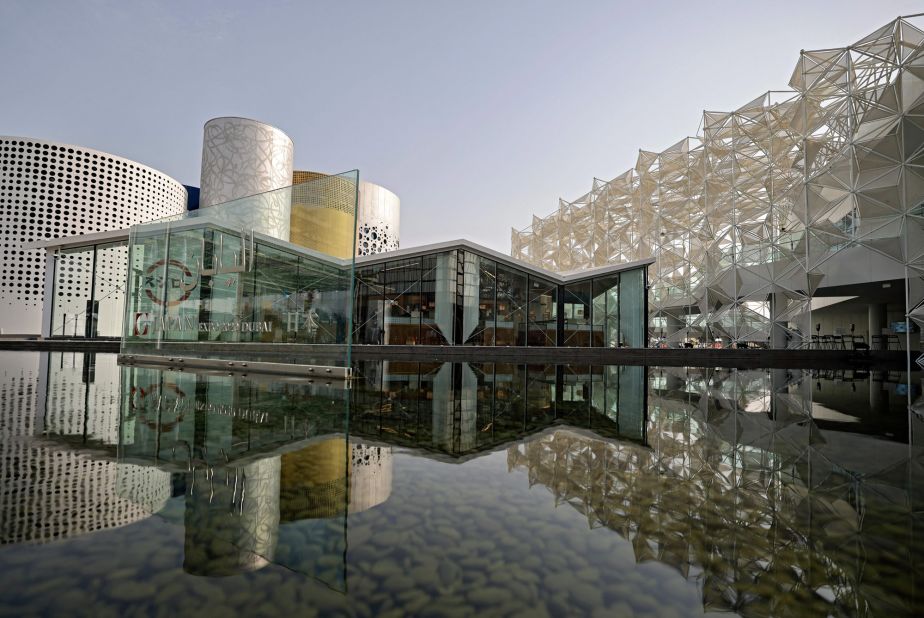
x=377, y=220
x=375, y=238
x=49, y=190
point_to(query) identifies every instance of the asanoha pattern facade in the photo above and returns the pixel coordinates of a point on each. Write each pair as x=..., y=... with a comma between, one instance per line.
x=821, y=185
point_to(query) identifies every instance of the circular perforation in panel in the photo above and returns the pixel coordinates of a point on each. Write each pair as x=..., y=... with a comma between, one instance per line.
x=49, y=190
x=375, y=238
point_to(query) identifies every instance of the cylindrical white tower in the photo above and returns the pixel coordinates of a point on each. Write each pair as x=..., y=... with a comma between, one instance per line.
x=242, y=157
x=377, y=220
x=49, y=190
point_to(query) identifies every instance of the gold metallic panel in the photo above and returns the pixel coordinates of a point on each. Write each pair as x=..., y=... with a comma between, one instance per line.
x=322, y=213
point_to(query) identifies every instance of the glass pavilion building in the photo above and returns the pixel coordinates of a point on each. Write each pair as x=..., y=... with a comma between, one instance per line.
x=221, y=275
x=277, y=256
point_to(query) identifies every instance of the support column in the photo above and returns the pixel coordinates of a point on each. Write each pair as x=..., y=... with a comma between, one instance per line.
x=778, y=335
x=877, y=314
x=674, y=325
x=878, y=396
x=779, y=380
x=48, y=293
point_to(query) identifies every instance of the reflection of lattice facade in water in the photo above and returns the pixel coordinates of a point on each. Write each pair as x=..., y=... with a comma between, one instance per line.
x=770, y=201
x=49, y=493
x=742, y=490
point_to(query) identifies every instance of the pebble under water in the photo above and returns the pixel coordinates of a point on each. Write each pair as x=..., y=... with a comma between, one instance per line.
x=458, y=489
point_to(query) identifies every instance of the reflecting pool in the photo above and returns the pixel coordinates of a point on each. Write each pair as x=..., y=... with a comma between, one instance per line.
x=444, y=489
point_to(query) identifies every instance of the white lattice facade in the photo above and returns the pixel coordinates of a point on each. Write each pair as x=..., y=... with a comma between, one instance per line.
x=820, y=185
x=49, y=190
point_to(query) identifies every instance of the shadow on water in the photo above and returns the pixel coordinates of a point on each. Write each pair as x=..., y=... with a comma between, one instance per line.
x=458, y=488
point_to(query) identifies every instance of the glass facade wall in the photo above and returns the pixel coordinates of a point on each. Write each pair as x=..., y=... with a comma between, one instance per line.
x=576, y=314
x=224, y=274
x=88, y=292
x=460, y=297
x=542, y=313
x=276, y=294
x=209, y=278
x=479, y=300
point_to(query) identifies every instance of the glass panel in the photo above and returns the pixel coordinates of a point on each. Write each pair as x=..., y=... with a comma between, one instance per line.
x=606, y=312
x=605, y=393
x=402, y=302
x=576, y=310
x=509, y=399
x=573, y=399
x=73, y=292
x=437, y=290
x=368, y=307
x=632, y=319
x=185, y=292
x=272, y=294
x=479, y=289
x=227, y=273
x=394, y=399
x=543, y=312
x=109, y=288
x=146, y=258
x=485, y=430
x=619, y=400
x=511, y=307
x=324, y=297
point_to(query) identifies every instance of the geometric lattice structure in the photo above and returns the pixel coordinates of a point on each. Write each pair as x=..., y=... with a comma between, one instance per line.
x=769, y=201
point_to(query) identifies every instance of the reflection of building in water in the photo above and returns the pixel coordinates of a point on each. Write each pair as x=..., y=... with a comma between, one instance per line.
x=234, y=516
x=232, y=519
x=370, y=476
x=261, y=456
x=49, y=491
x=741, y=489
x=315, y=479
x=460, y=409
x=314, y=482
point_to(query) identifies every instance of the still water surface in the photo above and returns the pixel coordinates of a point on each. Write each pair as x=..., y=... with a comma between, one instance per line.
x=458, y=489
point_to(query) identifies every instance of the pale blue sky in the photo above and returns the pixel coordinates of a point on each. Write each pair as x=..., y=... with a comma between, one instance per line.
x=477, y=114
